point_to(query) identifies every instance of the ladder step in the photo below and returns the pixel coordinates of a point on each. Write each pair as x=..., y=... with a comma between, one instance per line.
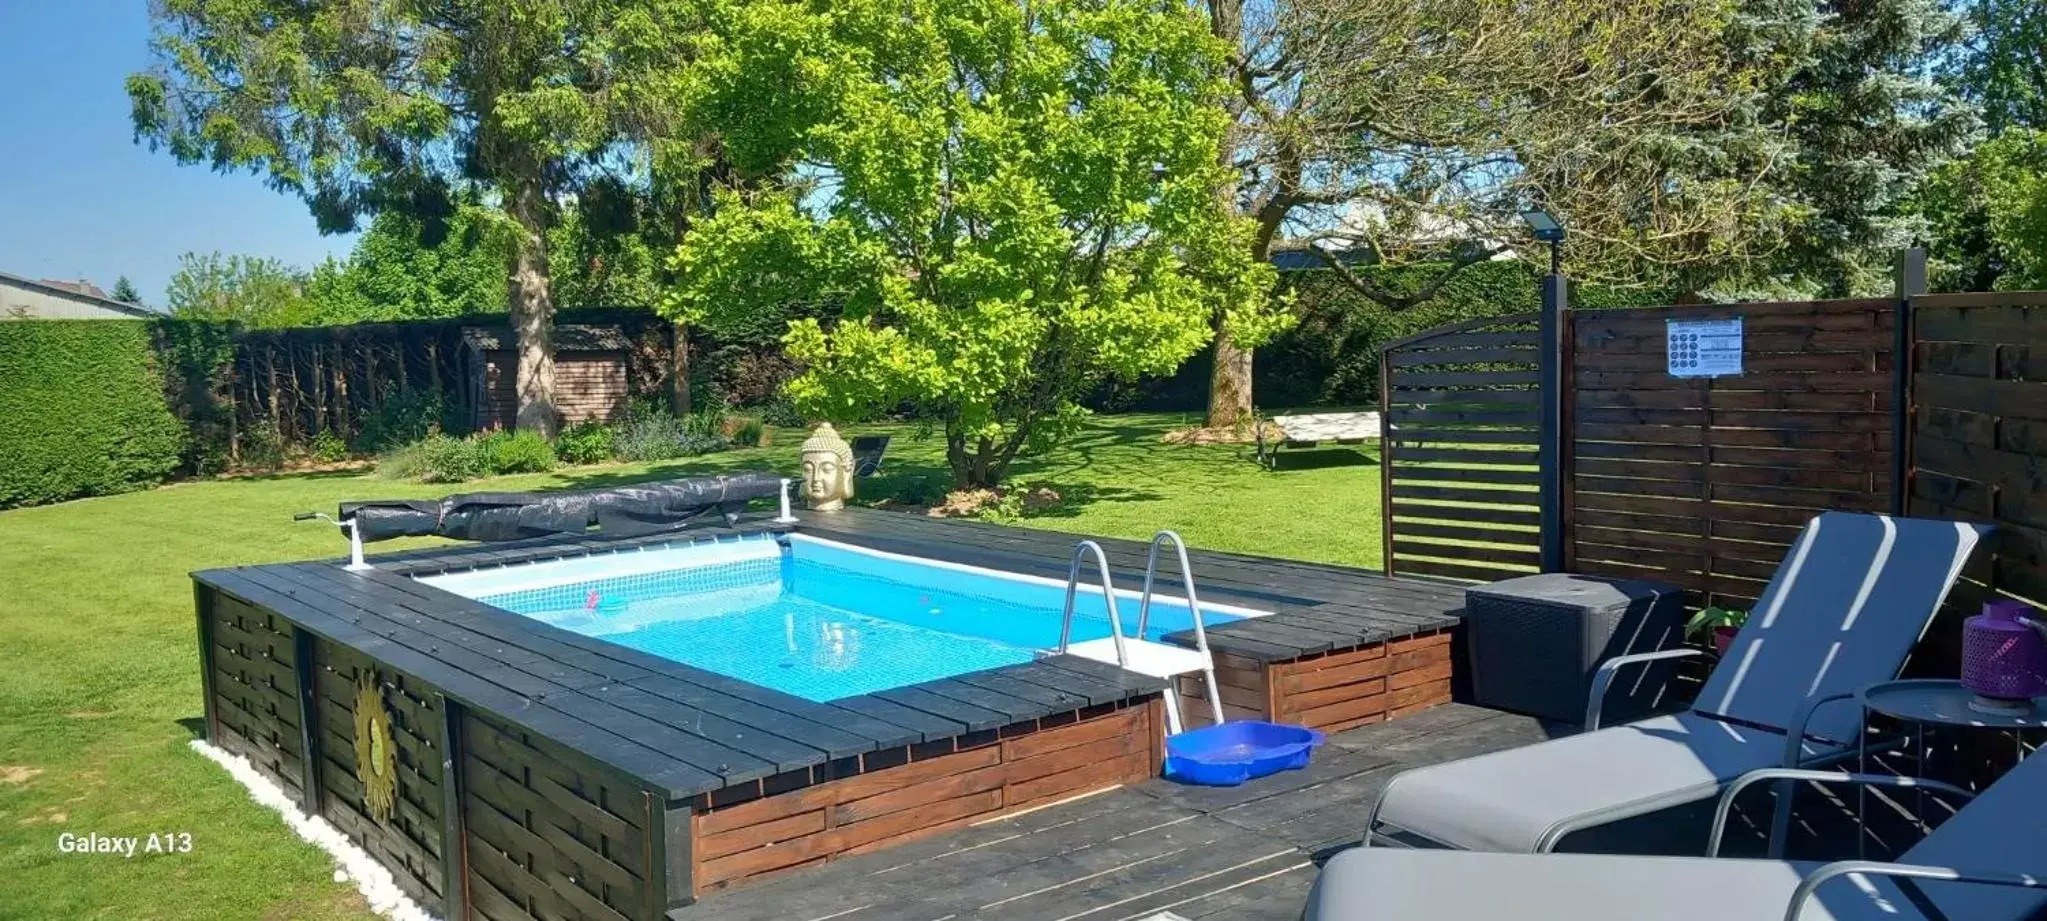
x=1159, y=660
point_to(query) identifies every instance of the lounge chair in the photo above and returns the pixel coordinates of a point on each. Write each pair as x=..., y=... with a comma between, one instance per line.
x=867, y=452
x=1307, y=431
x=1851, y=598
x=1986, y=863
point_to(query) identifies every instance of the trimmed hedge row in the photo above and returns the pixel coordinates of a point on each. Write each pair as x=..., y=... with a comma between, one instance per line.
x=83, y=410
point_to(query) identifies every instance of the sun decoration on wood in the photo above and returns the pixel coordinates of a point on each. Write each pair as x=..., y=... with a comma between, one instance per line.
x=376, y=758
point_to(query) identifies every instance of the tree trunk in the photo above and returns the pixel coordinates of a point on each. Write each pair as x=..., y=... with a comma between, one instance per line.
x=532, y=310
x=1229, y=382
x=678, y=370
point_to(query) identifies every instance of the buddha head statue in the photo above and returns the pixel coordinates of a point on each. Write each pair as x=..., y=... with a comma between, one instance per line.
x=827, y=469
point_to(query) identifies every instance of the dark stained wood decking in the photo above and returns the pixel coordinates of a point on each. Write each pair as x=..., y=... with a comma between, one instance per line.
x=1200, y=852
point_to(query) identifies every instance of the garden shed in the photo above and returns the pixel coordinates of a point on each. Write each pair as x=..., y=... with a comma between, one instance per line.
x=590, y=373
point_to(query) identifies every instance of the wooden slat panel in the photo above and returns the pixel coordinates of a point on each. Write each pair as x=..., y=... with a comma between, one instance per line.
x=1702, y=482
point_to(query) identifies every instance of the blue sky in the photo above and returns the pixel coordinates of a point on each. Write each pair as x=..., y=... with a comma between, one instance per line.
x=78, y=198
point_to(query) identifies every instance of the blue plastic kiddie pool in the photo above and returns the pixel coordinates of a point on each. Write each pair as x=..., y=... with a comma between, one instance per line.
x=1229, y=754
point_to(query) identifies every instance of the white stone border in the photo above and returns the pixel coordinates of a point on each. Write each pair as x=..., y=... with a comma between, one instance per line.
x=375, y=883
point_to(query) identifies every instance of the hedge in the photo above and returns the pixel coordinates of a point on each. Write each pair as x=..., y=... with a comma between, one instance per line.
x=83, y=410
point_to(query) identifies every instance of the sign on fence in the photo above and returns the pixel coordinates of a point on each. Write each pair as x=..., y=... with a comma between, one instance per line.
x=1703, y=348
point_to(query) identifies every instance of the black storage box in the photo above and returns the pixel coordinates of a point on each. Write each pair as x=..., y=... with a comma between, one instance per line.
x=1535, y=642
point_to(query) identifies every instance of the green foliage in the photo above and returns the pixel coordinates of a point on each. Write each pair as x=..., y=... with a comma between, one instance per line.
x=327, y=448
x=83, y=411
x=124, y=291
x=505, y=451
x=251, y=290
x=1702, y=625
x=1858, y=117
x=197, y=359
x=781, y=412
x=2003, y=69
x=1989, y=216
x=651, y=434
x=403, y=418
x=1024, y=200
x=586, y=442
x=406, y=268
x=747, y=432
x=262, y=446
x=436, y=459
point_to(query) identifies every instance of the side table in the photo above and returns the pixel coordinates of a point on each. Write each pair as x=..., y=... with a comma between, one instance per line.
x=1924, y=702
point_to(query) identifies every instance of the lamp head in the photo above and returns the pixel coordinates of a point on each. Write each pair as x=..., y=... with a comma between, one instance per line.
x=1546, y=226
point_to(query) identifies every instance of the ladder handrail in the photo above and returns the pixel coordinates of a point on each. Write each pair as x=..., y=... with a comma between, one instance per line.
x=1108, y=598
x=1151, y=568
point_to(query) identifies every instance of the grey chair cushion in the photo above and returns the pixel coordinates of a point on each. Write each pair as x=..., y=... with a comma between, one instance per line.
x=2001, y=832
x=1508, y=801
x=1874, y=579
x=1382, y=884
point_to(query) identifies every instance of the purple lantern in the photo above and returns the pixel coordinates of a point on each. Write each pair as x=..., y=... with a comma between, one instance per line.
x=2004, y=657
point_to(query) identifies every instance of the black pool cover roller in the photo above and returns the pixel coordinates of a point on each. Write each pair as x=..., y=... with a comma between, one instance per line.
x=621, y=511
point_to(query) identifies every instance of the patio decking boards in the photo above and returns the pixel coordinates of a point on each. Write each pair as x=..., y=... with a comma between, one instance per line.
x=1244, y=852
x=543, y=773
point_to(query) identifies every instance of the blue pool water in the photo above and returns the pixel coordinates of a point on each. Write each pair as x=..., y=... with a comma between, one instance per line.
x=809, y=617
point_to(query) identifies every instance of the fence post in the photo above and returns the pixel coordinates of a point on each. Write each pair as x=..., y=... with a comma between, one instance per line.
x=1550, y=449
x=1911, y=283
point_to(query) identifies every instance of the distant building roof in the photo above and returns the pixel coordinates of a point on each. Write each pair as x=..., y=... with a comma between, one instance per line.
x=1303, y=259
x=78, y=287
x=81, y=291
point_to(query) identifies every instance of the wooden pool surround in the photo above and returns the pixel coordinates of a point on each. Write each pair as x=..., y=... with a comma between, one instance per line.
x=543, y=774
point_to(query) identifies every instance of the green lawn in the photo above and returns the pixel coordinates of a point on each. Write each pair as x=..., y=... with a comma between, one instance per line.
x=99, y=687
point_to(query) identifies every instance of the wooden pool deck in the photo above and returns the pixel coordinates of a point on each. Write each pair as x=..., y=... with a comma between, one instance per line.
x=1244, y=852
x=541, y=773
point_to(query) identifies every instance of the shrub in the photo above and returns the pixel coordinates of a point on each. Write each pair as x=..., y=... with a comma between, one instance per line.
x=450, y=460
x=83, y=411
x=586, y=442
x=660, y=436
x=648, y=437
x=262, y=446
x=747, y=433
x=506, y=452
x=706, y=420
x=781, y=412
x=402, y=419
x=328, y=448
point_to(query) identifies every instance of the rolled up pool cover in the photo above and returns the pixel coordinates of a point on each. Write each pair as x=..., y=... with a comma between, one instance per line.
x=620, y=511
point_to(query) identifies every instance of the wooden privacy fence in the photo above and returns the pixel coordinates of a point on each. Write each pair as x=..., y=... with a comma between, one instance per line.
x=1979, y=432
x=1705, y=482
x=1458, y=459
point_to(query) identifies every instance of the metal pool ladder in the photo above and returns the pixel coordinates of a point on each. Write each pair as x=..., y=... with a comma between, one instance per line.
x=1159, y=660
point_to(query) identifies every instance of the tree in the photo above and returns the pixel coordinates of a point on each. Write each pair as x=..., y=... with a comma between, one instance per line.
x=403, y=268
x=1988, y=216
x=1854, y=92
x=251, y=290
x=367, y=107
x=1412, y=132
x=1011, y=201
x=2005, y=69
x=124, y=291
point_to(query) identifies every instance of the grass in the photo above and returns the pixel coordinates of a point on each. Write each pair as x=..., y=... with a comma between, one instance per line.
x=99, y=687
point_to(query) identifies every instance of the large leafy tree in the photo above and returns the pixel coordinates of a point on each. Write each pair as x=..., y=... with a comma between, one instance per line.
x=2005, y=69
x=1010, y=199
x=369, y=106
x=1411, y=133
x=254, y=291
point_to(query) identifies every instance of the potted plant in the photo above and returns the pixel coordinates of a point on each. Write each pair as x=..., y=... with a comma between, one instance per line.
x=1721, y=623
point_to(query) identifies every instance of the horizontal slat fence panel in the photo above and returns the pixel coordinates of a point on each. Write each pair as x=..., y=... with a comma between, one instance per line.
x=1459, y=459
x=1703, y=483
x=1980, y=445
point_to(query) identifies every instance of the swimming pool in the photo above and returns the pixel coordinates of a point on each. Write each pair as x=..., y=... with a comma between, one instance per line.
x=814, y=618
